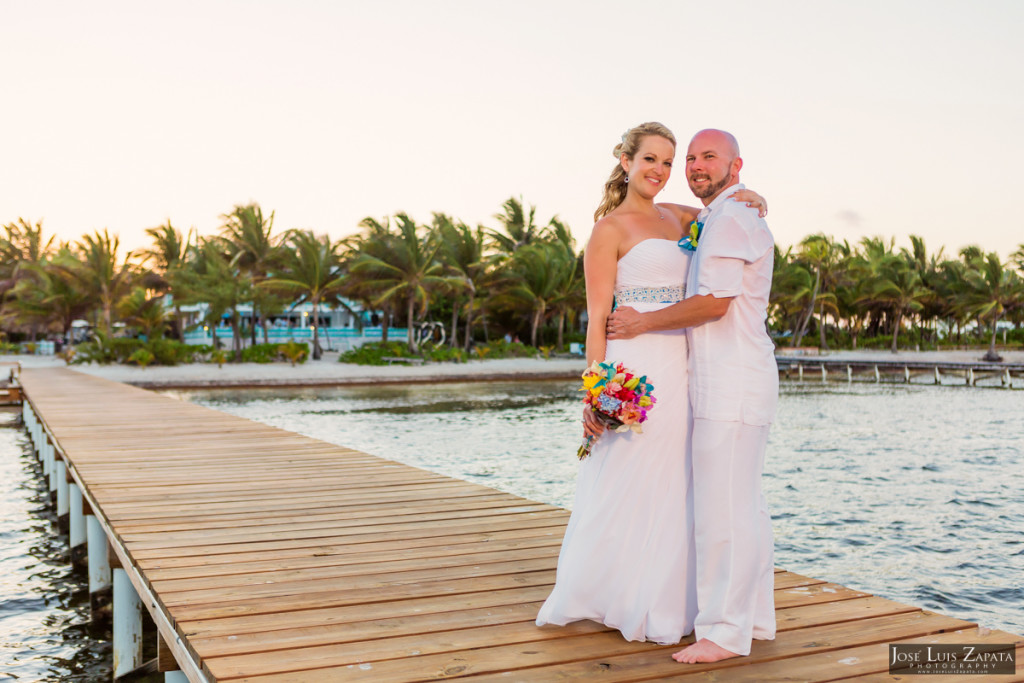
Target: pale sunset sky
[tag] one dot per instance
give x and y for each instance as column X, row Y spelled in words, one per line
column 874, row 117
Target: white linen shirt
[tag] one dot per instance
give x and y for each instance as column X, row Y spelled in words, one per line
column 733, row 375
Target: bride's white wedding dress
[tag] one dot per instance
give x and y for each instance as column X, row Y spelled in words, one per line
column 627, row 559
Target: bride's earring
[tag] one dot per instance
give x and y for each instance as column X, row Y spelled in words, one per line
column 626, row 181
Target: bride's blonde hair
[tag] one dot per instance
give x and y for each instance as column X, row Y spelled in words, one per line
column 615, row 187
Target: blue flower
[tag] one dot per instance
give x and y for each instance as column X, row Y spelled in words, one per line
column 689, row 242
column 608, row 404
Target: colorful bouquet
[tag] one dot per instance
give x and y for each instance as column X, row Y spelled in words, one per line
column 618, row 398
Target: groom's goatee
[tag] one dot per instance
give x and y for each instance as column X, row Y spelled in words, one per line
column 709, row 190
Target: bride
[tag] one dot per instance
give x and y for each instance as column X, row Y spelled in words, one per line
column 627, row 559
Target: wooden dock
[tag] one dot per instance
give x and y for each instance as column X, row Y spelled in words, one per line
column 265, row 556
column 826, row 369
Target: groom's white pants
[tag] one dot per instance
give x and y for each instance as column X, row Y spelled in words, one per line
column 733, row 530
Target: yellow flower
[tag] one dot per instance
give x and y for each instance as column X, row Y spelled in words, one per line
column 645, row 402
column 694, row 233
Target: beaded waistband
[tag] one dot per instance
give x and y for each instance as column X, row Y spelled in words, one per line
column 650, row 295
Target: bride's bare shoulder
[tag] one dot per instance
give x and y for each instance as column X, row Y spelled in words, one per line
column 607, row 233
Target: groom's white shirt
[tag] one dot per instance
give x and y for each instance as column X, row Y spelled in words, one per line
column 733, row 375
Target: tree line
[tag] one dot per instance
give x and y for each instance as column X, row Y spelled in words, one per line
column 873, row 289
column 524, row 275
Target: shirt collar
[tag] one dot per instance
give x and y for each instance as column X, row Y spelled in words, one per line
column 719, row 200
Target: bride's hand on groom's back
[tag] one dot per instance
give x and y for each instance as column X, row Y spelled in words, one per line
column 623, row 323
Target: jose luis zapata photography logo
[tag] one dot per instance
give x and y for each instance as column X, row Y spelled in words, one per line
column 920, row 658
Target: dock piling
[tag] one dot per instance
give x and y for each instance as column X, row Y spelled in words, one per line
column 63, row 497
column 51, row 464
column 127, row 625
column 99, row 565
column 76, row 532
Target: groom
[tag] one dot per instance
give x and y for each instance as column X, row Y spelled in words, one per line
column 733, row 394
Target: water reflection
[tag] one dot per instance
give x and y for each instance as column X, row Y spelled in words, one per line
column 44, row 606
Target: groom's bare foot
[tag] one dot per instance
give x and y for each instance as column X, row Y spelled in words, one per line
column 703, row 651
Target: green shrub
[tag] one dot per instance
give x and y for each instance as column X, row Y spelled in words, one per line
column 170, row 351
column 104, row 349
column 9, row 347
column 122, row 348
column 296, row 352
column 218, row 356
column 374, row 353
column 141, row 357
column 503, row 349
column 262, row 353
column 441, row 354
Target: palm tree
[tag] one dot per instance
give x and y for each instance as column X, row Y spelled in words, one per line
column 896, row 285
column 256, row 253
column 1018, row 258
column 46, row 296
column 519, row 226
column 23, row 243
column 212, row 278
column 792, row 285
column 143, row 312
column 464, row 254
column 571, row 295
column 533, row 281
column 821, row 257
column 407, row 271
column 312, row 271
column 22, row 247
column 102, row 273
column 168, row 253
column 995, row 289
column 375, row 240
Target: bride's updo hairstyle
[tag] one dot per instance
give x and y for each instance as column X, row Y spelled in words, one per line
column 615, row 187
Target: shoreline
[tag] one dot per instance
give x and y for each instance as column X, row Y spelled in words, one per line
column 328, row 372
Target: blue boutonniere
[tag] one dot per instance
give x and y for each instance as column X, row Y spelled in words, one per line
column 689, row 242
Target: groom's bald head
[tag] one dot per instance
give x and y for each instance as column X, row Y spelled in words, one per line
column 721, row 139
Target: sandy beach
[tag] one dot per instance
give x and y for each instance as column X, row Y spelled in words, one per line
column 328, row 371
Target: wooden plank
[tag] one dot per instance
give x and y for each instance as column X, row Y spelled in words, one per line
column 283, row 578
column 415, row 636
column 340, row 513
column 204, row 555
column 367, row 596
column 326, row 537
column 595, row 649
column 394, row 558
column 379, row 584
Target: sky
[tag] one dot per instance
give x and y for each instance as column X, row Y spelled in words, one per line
column 887, row 117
